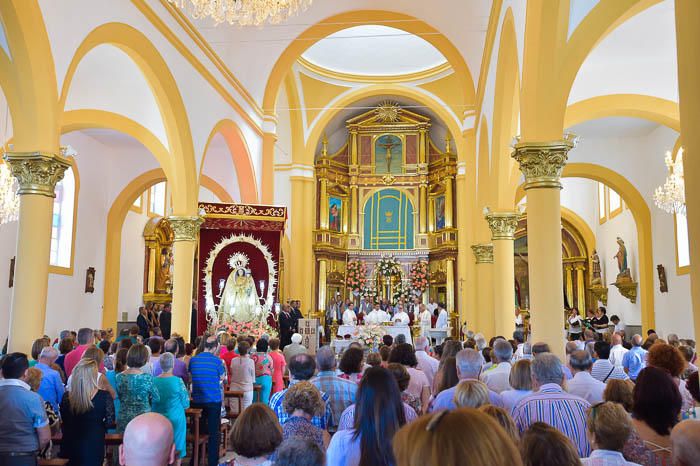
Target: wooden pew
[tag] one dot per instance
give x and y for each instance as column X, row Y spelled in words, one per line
column 198, row 441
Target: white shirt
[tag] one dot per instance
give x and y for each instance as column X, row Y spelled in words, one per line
column 442, row 319
column 606, row 458
column 425, row 318
column 497, row 378
column 372, row 317
column 519, row 352
column 617, row 352
column 585, row 386
column 428, row 365
column 401, row 318
column 349, row 317
column 383, row 317
column 431, row 307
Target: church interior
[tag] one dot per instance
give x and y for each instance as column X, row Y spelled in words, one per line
column 508, row 162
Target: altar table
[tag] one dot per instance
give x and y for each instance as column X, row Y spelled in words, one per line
column 393, row 330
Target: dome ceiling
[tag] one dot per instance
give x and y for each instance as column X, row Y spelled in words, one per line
column 373, row 50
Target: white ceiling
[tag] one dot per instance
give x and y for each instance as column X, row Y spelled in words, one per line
column 251, row 52
column 611, row 127
column 374, row 51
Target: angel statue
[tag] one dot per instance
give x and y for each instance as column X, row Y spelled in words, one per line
column 240, row 301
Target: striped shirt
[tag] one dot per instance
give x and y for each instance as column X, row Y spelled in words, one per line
column 341, row 394
column 277, row 405
column 561, row 410
column 603, row 370
column 207, row 373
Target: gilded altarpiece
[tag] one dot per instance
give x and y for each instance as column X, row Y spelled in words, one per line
column 158, row 261
column 388, row 192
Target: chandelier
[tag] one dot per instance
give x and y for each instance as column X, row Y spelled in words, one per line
column 244, row 12
column 671, row 196
column 9, row 200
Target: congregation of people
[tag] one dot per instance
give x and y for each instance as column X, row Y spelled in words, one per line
column 612, row 400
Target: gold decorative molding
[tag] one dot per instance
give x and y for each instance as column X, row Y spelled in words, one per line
column 483, row 253
column 502, row 224
column 600, row 293
column 543, row 162
column 627, row 288
column 37, row 172
column 185, row 228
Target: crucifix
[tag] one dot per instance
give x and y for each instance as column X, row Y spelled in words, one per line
column 388, row 146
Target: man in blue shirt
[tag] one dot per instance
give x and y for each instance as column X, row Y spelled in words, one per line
column 207, row 374
column 24, row 427
column 51, row 388
column 635, row 359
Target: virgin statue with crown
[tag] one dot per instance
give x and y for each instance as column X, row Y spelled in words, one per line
column 239, row 301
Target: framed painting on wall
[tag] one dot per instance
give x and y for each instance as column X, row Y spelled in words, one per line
column 335, row 210
column 440, row 212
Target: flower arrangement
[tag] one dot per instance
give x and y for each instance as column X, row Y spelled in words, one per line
column 370, row 294
column 419, row 276
column 402, row 290
column 356, row 275
column 254, row 328
column 388, row 266
column 369, row 335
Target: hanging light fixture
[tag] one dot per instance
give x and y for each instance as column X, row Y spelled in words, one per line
column 243, row 12
column 671, row 196
column 9, row 199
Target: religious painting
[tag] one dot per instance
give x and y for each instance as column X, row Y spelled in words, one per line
column 335, row 210
column 440, row 212
column 388, row 220
column 388, row 154
column 663, row 282
column 90, row 280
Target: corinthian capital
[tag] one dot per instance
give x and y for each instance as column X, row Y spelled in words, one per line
column 185, row 228
column 502, row 224
column 543, row 162
column 37, row 172
column 483, row 253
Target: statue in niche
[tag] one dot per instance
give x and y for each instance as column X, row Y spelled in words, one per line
column 240, row 301
column 165, row 273
column 621, row 258
column 596, row 270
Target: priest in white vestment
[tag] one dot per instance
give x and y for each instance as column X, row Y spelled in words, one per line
column 425, row 321
column 373, row 317
column 349, row 317
column 401, row 317
column 442, row 318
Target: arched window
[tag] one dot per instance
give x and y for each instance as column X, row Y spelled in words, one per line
column 157, row 199
column 681, row 231
column 63, row 221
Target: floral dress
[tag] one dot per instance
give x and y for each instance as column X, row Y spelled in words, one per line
column 136, row 393
column 300, row 427
column 263, row 375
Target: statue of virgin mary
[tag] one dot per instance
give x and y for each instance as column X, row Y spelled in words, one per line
column 239, row 301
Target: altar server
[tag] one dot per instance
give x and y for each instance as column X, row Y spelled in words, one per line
column 401, row 317
column 442, row 317
column 425, row 321
column 349, row 317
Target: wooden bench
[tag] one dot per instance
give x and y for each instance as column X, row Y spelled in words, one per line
column 198, row 441
column 53, row 462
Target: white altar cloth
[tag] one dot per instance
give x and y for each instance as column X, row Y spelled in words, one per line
column 392, row 330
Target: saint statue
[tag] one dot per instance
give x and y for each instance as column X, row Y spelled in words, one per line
column 239, row 302
column 164, row 277
column 595, row 263
column 621, row 257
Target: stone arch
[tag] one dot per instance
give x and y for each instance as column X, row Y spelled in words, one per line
column 240, row 157
column 180, row 166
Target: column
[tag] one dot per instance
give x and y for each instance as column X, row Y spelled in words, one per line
column 484, row 317
column 355, row 210
column 301, row 262
column 449, row 202
column 687, row 40
column 580, row 290
column 322, row 271
column 422, row 207
column 323, row 204
column 37, row 174
column 503, row 226
column 542, row 164
column 569, row 282
column 185, row 229
column 450, row 282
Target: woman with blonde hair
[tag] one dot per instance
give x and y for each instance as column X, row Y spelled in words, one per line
column 520, row 381
column 302, row 402
column 620, row 391
column 86, row 411
column 609, row 427
column 471, row 394
column 463, row 436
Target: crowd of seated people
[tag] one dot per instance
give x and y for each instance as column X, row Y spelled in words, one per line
column 610, row 400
